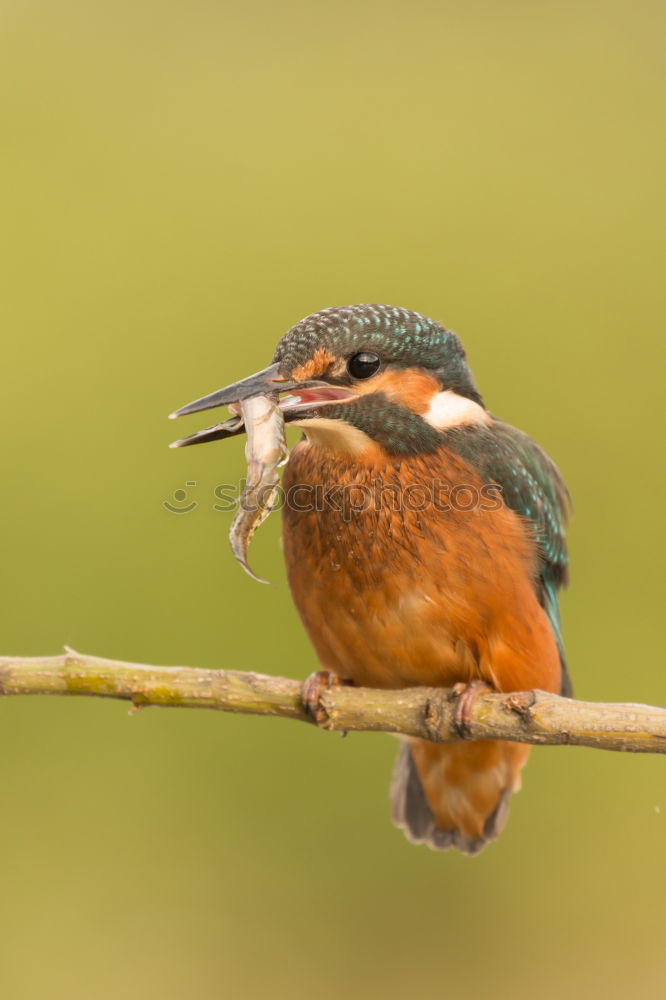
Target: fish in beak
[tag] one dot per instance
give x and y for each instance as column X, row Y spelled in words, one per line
column 301, row 399
column 258, row 410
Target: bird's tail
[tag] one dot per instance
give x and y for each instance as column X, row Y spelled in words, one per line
column 457, row 794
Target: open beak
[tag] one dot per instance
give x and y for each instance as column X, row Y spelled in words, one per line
column 303, row 399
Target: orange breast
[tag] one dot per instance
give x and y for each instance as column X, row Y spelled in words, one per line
column 395, row 589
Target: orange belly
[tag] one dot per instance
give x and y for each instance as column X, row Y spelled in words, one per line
column 394, row 592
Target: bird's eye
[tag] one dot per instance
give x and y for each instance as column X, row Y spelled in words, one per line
column 363, row 365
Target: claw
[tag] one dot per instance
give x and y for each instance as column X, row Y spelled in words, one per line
column 312, row 690
column 466, row 694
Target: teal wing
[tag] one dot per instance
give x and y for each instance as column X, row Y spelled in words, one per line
column 531, row 486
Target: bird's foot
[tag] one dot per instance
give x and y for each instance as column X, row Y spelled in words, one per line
column 465, row 694
column 311, row 692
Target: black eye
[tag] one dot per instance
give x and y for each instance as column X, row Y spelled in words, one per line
column 363, row 365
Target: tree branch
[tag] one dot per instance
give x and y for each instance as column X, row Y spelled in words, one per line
column 427, row 713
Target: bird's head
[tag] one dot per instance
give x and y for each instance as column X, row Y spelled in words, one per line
column 358, row 376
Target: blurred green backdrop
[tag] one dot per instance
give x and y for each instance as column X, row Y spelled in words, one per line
column 181, row 183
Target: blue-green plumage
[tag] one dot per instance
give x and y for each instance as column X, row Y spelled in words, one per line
column 531, row 486
column 401, row 338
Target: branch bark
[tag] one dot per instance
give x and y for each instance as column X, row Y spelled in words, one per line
column 428, row 713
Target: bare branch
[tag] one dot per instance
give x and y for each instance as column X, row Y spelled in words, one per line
column 428, row 713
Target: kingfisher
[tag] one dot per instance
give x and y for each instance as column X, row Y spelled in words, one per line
column 431, row 551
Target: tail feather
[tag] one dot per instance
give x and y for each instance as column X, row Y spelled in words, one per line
column 455, row 795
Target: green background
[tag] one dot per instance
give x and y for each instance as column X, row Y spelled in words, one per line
column 181, row 183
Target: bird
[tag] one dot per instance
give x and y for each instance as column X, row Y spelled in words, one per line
column 424, row 542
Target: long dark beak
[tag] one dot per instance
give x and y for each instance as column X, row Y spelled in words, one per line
column 265, row 381
column 226, row 429
column 268, row 380
column 310, row 393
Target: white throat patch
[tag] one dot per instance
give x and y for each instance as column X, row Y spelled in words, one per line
column 335, row 435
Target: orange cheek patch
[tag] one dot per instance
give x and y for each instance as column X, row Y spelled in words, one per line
column 317, row 365
column 411, row 388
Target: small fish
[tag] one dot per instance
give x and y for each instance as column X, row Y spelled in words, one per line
column 265, row 451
